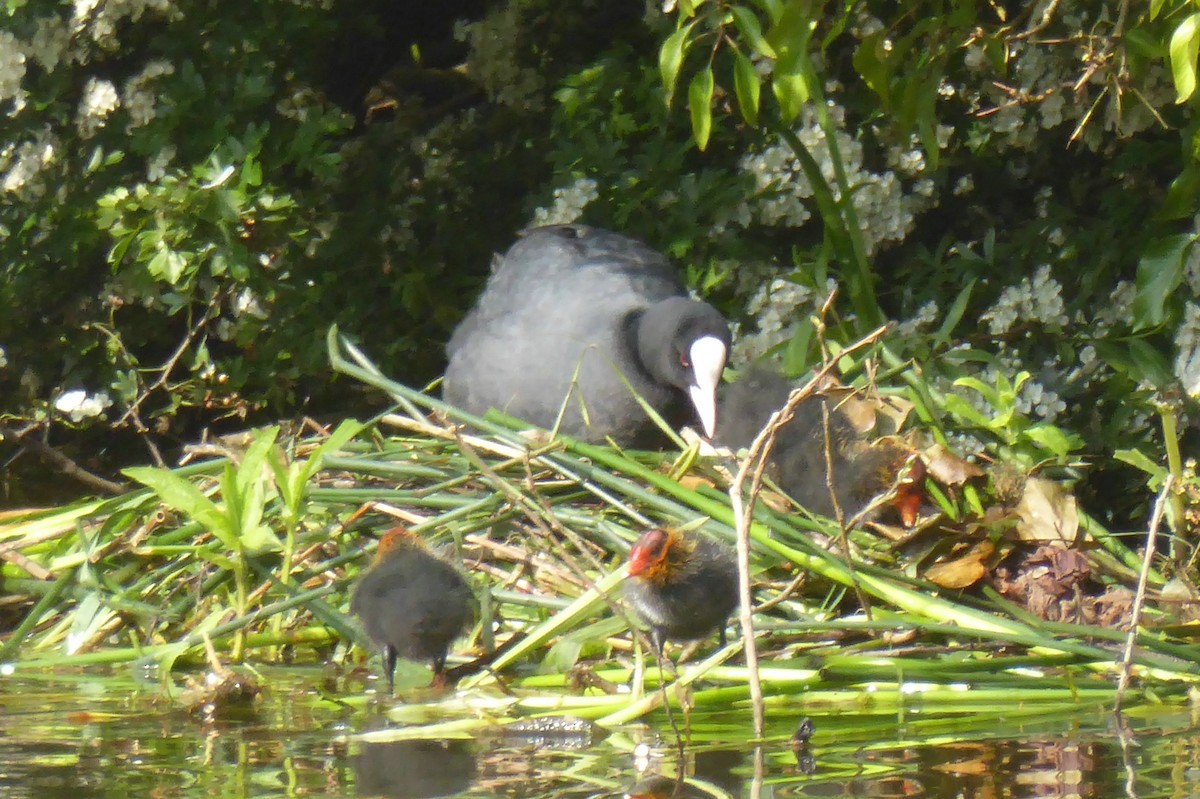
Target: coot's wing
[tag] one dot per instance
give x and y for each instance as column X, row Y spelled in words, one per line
column 560, row 292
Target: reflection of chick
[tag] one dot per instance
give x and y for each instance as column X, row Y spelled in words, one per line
column 412, row 603
column 682, row 587
column 859, row 473
column 414, row 769
column 660, row 787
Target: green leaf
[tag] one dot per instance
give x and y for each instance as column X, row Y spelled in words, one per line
column 251, row 479
column 670, row 59
column 250, row 470
column 1142, row 43
column 964, row 410
column 791, row 92
column 1052, row 439
column 90, row 614
column 751, row 30
column 184, row 497
column 983, row 389
column 747, row 87
column 1139, row 460
column 954, row 315
column 1138, row 360
column 1180, row 202
column 700, row 93
column 345, row 431
column 167, row 265
column 1159, row 273
column 1185, row 45
column 259, row 539
column 773, row 8
column 870, row 62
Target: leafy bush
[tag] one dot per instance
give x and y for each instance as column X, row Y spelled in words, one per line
column 185, row 210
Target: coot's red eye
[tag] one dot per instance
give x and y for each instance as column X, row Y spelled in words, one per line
column 683, row 359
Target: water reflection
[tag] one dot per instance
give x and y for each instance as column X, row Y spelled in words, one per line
column 79, row 735
column 414, row 769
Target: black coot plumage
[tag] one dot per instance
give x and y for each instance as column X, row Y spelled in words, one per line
column 859, row 472
column 571, row 304
column 412, row 603
column 683, row 587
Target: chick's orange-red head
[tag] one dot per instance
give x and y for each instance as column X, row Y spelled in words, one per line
column 650, row 555
column 395, row 539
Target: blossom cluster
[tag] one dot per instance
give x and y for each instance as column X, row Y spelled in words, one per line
column 140, row 99
column 1044, row 91
column 779, row 307
column 493, row 58
column 1037, row 299
column 569, row 202
column 79, row 405
column 1187, row 344
column 784, row 192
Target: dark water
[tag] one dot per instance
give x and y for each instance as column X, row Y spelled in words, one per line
column 75, row 735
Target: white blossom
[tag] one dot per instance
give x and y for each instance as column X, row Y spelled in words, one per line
column 784, row 191
column 778, row 308
column 1187, row 342
column 49, row 41
column 12, row 65
column 21, row 164
column 569, row 202
column 926, row 315
column 99, row 100
column 1037, row 300
column 156, row 167
column 79, row 405
column 246, row 303
column 139, row 100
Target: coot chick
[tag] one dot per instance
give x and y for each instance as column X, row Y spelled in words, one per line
column 860, row 471
column 682, row 587
column 578, row 310
column 412, row 603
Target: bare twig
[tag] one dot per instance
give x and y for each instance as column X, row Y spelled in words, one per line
column 50, row 455
column 743, row 511
column 1139, row 598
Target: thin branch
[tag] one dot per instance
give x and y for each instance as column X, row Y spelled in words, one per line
column 1139, row 598
column 743, row 511
column 67, row 466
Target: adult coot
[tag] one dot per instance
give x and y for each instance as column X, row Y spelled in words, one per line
column 577, row 319
column 684, row 588
column 412, row 603
column 860, row 471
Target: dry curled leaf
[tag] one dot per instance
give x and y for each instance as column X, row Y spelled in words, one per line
column 965, row 570
column 947, row 468
column 1046, row 512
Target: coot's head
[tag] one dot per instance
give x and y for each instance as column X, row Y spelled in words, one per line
column 684, row 343
column 657, row 556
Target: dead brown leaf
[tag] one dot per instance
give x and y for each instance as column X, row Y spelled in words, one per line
column 692, row 481
column 1047, row 512
column 965, row 570
column 947, row 468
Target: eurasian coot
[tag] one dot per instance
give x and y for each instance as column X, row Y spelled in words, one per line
column 683, row 587
column 576, row 319
column 860, row 471
column 412, row 603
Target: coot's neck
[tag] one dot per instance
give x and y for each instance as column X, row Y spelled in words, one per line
column 633, row 338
